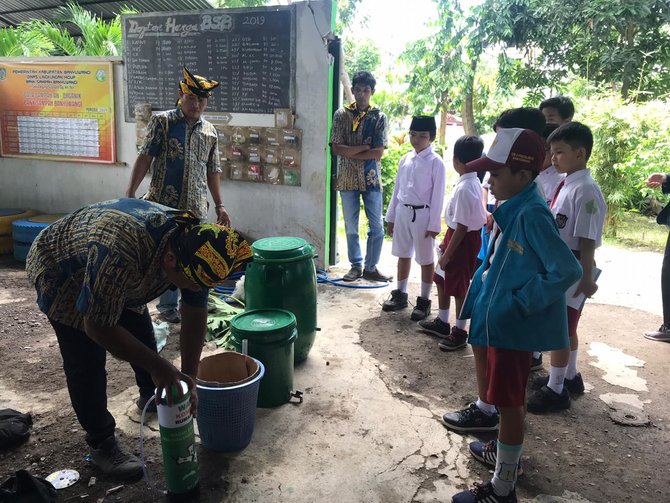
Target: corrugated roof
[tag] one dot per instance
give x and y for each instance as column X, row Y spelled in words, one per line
column 15, row 12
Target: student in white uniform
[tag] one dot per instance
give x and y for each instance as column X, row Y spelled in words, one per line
column 413, row 215
column 579, row 208
column 465, row 216
column 549, row 179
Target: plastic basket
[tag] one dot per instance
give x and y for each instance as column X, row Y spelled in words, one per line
column 226, row 415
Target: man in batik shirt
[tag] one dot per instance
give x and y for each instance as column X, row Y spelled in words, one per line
column 358, row 138
column 181, row 148
column 94, row 271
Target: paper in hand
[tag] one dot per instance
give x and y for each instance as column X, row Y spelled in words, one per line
column 578, row 302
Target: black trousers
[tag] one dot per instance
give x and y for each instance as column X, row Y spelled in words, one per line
column 665, row 283
column 84, row 366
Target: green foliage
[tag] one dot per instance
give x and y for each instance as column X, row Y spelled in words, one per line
column 218, row 322
column 20, row 42
column 361, row 55
column 390, row 160
column 346, row 9
column 630, row 142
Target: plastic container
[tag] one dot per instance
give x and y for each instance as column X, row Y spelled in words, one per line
column 271, row 334
column 282, row 276
column 227, row 409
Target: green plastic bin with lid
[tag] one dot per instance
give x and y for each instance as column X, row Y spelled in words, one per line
column 270, row 335
column 282, row 276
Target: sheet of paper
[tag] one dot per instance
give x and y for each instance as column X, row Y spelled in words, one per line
column 578, row 302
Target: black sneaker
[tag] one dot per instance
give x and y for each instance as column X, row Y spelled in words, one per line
column 114, row 461
column 547, row 400
column 660, row 335
column 575, row 385
column 536, row 364
column 483, row 493
column 397, row 301
column 354, row 273
column 142, row 401
column 171, row 316
column 471, row 419
column 457, row 339
column 422, row 309
column 375, row 275
column 436, row 327
column 487, row 453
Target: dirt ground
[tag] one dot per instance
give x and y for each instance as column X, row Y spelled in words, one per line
column 581, row 451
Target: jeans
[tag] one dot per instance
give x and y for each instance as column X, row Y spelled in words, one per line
column 351, row 206
column 665, row 283
column 168, row 300
column 84, row 366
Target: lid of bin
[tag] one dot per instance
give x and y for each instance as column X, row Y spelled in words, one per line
column 45, row 219
column 281, row 248
column 259, row 322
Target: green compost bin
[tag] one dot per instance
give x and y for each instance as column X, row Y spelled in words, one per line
column 282, row 276
column 270, row 335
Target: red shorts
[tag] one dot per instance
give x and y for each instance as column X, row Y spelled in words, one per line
column 507, row 373
column 460, row 269
column 573, row 321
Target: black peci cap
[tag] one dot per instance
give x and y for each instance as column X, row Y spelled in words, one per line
column 423, row 123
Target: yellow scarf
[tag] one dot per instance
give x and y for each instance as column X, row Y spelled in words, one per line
column 358, row 118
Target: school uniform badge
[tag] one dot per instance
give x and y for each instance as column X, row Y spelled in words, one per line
column 561, row 220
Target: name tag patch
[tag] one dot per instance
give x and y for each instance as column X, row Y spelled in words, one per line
column 515, row 246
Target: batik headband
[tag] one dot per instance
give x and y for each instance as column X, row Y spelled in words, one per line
column 197, row 85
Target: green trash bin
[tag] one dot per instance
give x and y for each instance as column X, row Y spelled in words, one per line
column 282, row 276
column 270, row 334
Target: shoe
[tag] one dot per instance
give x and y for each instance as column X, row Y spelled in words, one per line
column 436, row 327
column 547, row 400
column 472, row 419
column 422, row 309
column 661, row 335
column 354, row 273
column 397, row 301
column 171, row 316
column 457, row 339
column 487, row 453
column 375, row 275
column 483, row 493
column 575, row 385
column 114, row 461
column 142, row 401
column 536, row 364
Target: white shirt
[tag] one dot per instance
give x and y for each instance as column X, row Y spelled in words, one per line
column 580, row 209
column 549, row 180
column 490, row 198
column 420, row 180
column 465, row 205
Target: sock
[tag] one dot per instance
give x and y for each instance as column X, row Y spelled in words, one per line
column 536, row 354
column 572, row 365
column 425, row 290
column 486, row 408
column 461, row 323
column 443, row 314
column 556, row 376
column 402, row 285
column 504, row 476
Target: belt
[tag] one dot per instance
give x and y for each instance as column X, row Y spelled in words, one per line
column 415, row 207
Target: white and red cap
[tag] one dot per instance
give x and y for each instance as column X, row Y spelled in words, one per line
column 512, row 147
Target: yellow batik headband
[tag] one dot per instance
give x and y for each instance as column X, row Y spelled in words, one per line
column 197, row 85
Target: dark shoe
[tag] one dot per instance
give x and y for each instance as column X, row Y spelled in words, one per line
column 375, row 275
column 457, row 339
column 114, row 461
column 575, row 385
column 536, row 364
column 547, row 400
column 142, row 401
column 354, row 273
column 436, row 327
column 422, row 309
column 470, row 419
column 487, row 453
column 660, row 335
column 483, row 493
column 397, row 301
column 171, row 316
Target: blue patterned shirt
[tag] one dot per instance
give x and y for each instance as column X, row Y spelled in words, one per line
column 183, row 156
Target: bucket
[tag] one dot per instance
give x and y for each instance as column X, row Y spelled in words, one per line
column 282, row 276
column 227, row 402
column 271, row 334
column 180, row 459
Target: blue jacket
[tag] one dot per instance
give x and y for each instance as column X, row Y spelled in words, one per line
column 521, row 303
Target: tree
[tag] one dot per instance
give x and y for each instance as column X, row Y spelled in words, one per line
column 361, row 54
column 19, row 42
